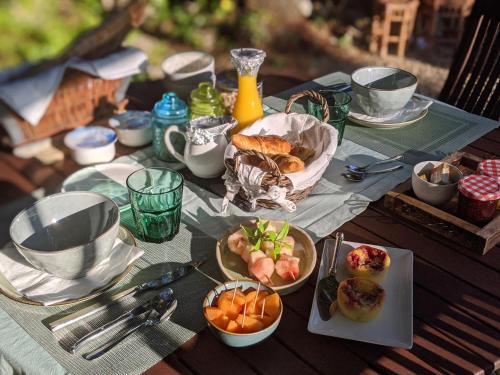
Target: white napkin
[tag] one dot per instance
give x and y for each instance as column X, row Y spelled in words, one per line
column 411, row 110
column 48, row 289
column 31, row 96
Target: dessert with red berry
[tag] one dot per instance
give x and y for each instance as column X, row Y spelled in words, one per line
column 368, row 262
column 360, row 299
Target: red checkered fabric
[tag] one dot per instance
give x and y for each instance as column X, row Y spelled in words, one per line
column 481, row 188
column 490, row 167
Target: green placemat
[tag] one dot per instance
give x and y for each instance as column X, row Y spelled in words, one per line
column 445, row 129
column 144, row 348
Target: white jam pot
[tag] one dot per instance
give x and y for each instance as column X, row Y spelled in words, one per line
column 206, row 141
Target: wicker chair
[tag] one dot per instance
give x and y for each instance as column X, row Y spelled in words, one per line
column 473, row 82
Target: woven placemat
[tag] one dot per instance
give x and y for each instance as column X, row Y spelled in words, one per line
column 148, row 346
column 444, row 130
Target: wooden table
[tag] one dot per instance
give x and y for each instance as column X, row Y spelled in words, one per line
column 456, row 295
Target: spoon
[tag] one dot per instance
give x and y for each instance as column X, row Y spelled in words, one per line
column 360, row 176
column 355, row 168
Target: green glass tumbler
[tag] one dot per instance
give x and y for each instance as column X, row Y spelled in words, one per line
column 156, row 200
column 339, row 103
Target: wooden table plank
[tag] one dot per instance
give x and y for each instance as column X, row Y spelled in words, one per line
column 205, row 355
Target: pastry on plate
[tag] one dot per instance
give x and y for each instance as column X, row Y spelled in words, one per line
column 360, row 299
column 368, row 262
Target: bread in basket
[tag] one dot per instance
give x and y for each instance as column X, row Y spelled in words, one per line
column 271, row 188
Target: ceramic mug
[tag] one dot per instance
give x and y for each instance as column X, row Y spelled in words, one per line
column 206, row 141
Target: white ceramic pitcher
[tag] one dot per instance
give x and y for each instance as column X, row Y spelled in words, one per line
column 206, row 141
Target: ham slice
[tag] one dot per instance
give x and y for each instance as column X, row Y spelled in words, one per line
column 287, row 267
column 260, row 266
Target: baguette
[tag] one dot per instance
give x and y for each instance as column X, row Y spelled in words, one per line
column 269, row 145
column 286, row 163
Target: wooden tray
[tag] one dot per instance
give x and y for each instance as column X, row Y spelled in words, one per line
column 443, row 221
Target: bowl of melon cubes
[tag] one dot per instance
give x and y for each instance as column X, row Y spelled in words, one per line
column 242, row 313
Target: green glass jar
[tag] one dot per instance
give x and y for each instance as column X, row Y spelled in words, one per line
column 206, row 101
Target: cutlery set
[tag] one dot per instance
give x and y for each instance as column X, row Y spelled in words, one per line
column 359, row 173
column 153, row 312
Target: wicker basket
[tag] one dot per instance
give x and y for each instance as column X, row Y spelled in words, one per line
column 79, row 99
column 274, row 177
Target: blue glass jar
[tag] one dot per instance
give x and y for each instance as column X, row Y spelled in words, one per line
column 170, row 110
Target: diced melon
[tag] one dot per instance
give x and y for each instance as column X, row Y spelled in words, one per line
column 233, row 327
column 249, row 324
column 239, row 296
column 272, row 306
column 231, row 310
column 267, row 320
column 254, row 302
column 221, row 321
column 213, row 313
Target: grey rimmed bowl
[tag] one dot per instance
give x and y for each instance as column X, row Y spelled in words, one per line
column 67, row 234
column 238, row 340
column 382, row 91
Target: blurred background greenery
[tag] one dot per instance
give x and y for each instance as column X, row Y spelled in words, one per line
column 302, row 38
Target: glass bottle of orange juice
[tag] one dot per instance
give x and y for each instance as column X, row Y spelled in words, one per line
column 248, row 106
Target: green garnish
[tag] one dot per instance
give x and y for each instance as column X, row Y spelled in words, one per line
column 258, row 235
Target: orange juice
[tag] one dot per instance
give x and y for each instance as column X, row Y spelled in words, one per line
column 248, row 106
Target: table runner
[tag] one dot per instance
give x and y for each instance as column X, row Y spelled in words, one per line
column 445, row 129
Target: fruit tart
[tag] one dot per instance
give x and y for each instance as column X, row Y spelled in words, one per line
column 360, row 299
column 368, row 262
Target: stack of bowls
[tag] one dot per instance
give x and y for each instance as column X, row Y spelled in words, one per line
column 382, row 91
column 67, row 234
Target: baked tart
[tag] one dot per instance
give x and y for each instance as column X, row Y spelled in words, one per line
column 368, row 262
column 360, row 299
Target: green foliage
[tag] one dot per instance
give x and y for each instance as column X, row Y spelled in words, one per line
column 36, row 29
column 260, row 234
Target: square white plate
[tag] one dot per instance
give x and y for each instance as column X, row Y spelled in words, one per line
column 394, row 324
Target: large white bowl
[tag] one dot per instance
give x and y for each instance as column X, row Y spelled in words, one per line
column 382, row 91
column 67, row 234
column 428, row 192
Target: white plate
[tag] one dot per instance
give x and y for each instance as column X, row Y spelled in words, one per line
column 405, row 117
column 108, row 179
column 394, row 324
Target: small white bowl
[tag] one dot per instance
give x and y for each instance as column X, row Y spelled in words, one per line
column 238, row 340
column 91, row 144
column 133, row 128
column 428, row 192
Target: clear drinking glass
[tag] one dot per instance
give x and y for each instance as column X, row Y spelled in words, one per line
column 339, row 103
column 156, row 200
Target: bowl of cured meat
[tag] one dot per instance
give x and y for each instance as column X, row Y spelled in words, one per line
column 276, row 253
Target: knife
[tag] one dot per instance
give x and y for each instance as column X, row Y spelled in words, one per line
column 164, row 280
column 326, row 292
column 166, row 295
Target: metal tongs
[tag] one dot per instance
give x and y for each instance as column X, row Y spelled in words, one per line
column 159, row 308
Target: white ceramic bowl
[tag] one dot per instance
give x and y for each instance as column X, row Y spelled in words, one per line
column 183, row 71
column 133, row 128
column 428, row 192
column 382, row 91
column 240, row 339
column 67, row 234
column 91, row 144
column 234, row 267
